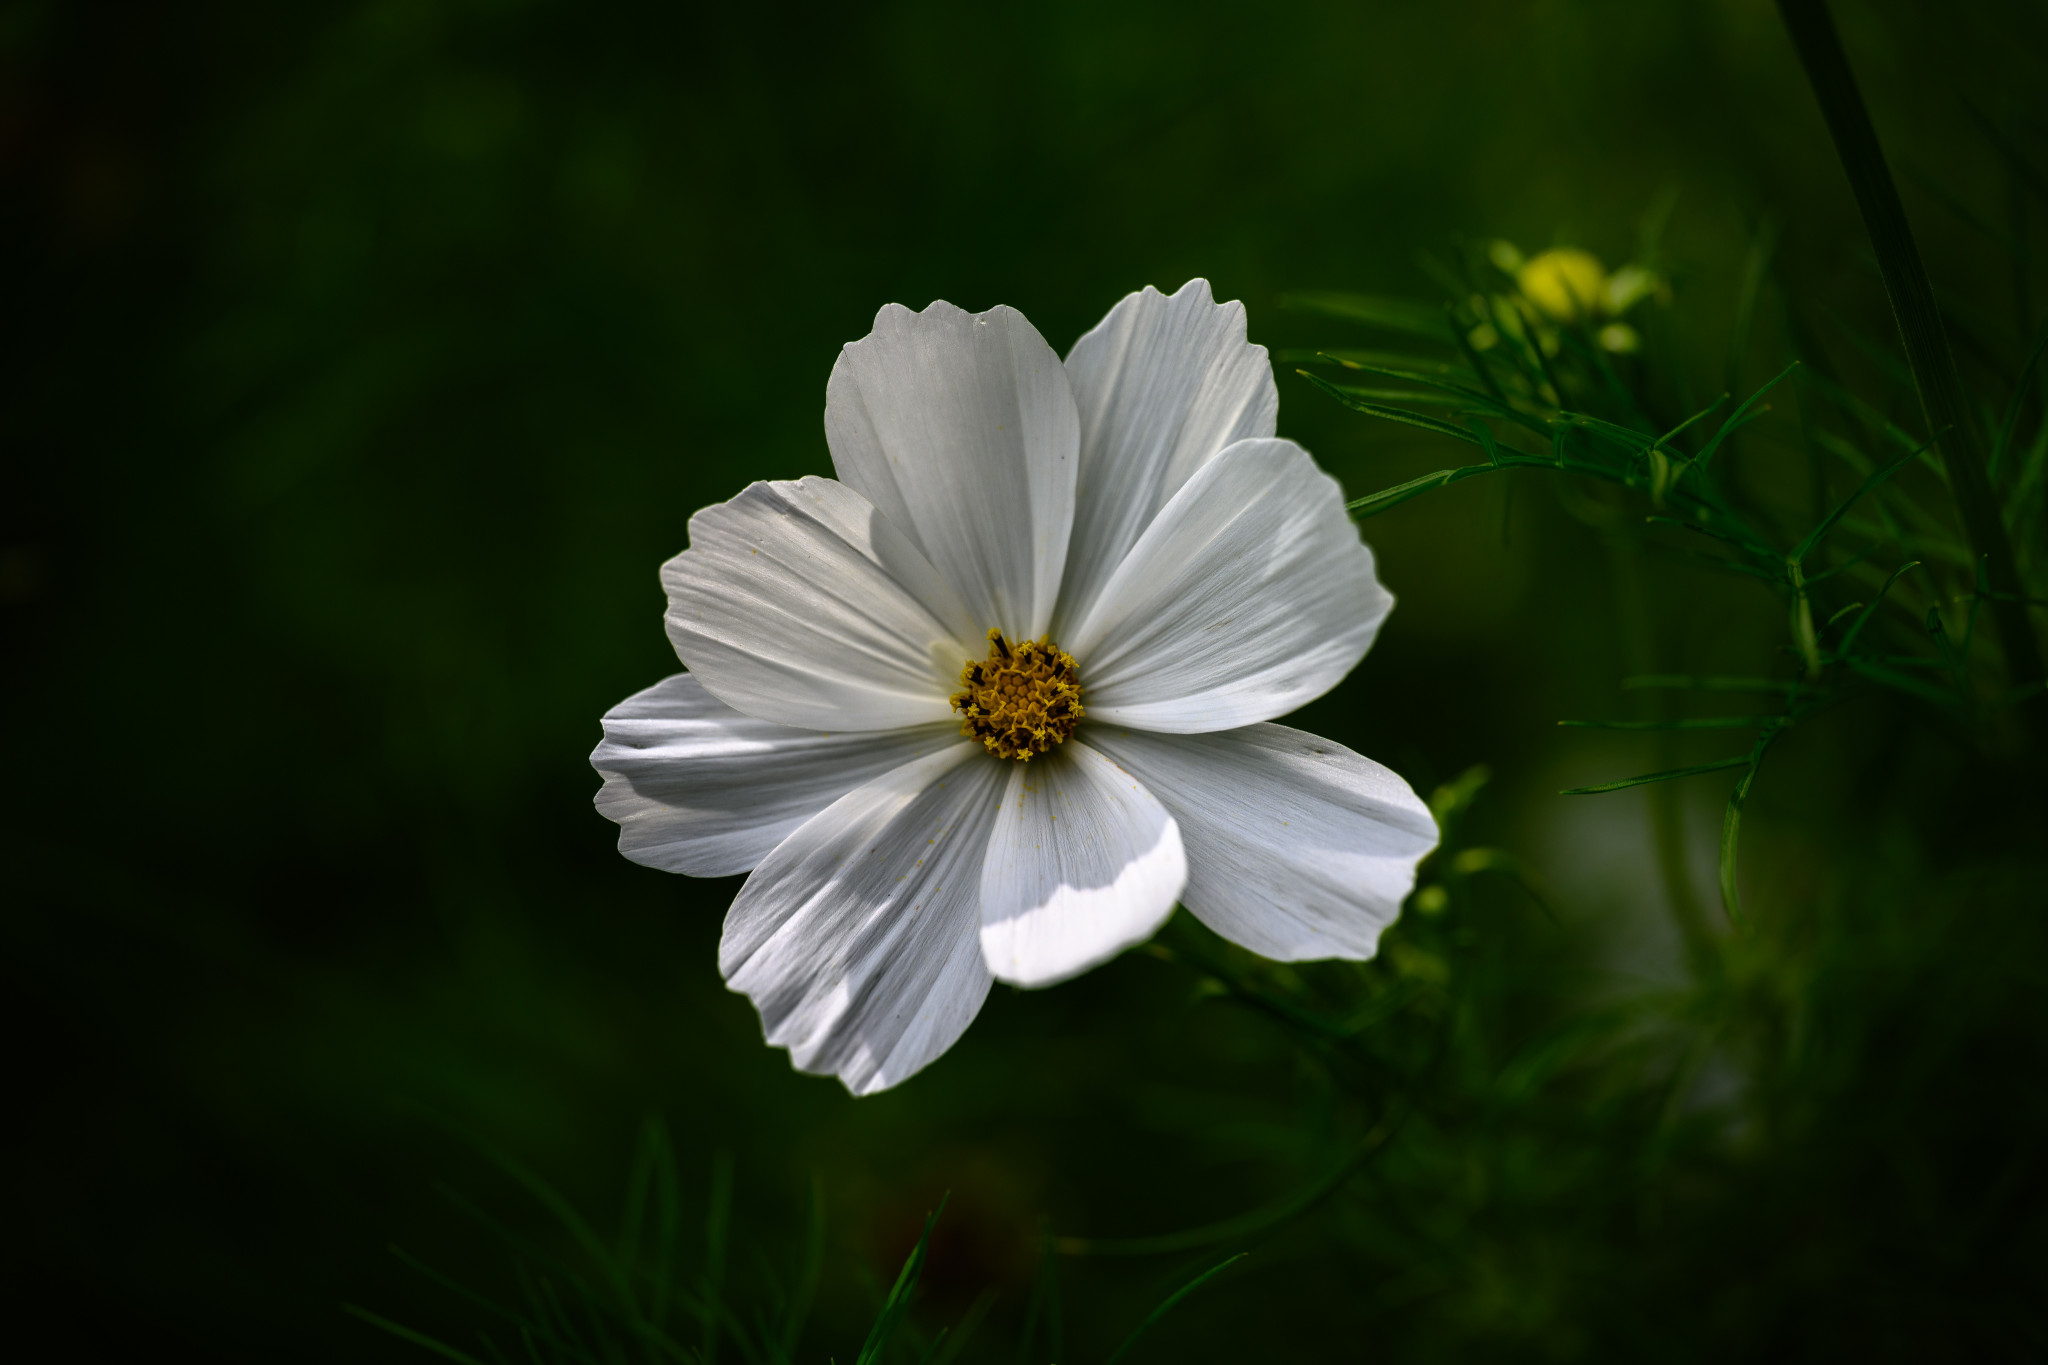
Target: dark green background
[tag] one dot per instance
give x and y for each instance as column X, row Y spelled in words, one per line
column 364, row 361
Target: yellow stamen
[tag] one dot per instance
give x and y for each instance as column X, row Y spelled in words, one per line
column 1022, row 699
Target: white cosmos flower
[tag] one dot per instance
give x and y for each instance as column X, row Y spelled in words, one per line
column 1119, row 574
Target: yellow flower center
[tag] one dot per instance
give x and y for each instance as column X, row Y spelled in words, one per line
column 1022, row 699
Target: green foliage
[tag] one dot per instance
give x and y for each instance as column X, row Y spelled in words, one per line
column 1549, row 383
column 586, row 1300
column 582, row 1298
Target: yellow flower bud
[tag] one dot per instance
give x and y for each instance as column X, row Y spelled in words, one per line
column 1620, row 338
column 1566, row 283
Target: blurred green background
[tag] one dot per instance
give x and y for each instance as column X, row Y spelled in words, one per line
column 365, row 361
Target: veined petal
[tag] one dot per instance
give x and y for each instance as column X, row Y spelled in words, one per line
column 1083, row 863
column 961, row 428
column 856, row 938
column 798, row 602
column 1297, row 847
column 1249, row 595
column 698, row 788
column 1162, row 385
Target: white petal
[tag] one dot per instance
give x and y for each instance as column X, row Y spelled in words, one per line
column 1162, row 385
column 961, row 428
column 1249, row 595
column 798, row 602
column 856, row 938
column 696, row 787
column 1083, row 864
column 1297, row 847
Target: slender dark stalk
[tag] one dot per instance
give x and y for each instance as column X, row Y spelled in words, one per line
column 1933, row 364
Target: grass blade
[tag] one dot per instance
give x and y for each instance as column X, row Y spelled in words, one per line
column 1857, row 628
column 1860, row 557
column 1381, row 410
column 1493, row 406
column 1904, row 682
column 1490, row 446
column 1438, row 400
column 1622, row 438
column 1827, row 524
column 1665, row 776
column 1190, row 1287
column 1708, row 411
column 898, row 1303
column 404, row 1333
column 1357, row 358
column 1741, row 417
column 1388, row 498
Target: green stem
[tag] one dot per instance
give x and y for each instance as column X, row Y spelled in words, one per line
column 1933, row 364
